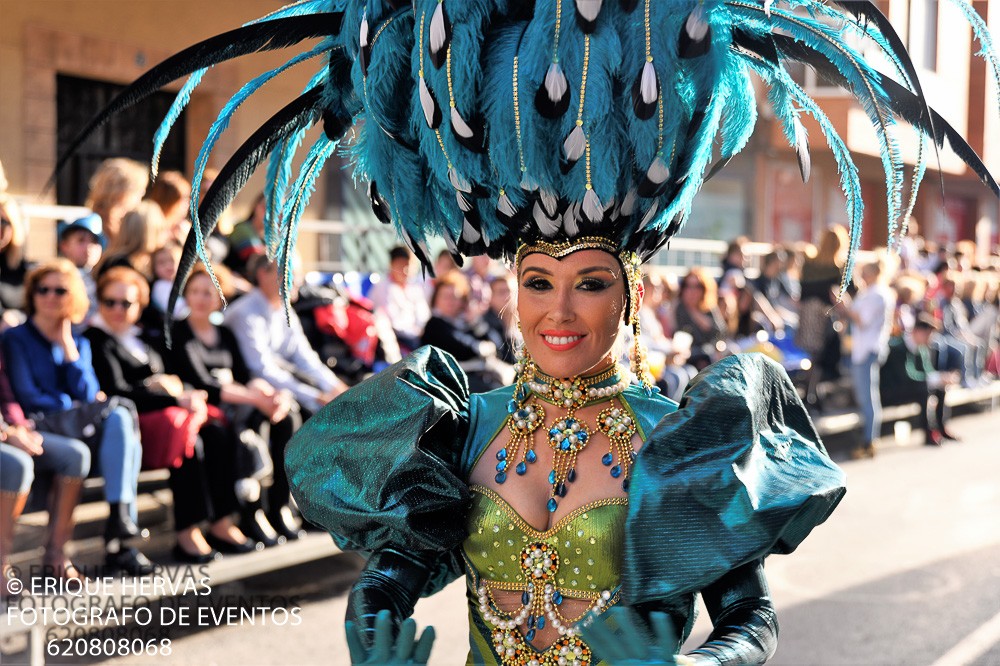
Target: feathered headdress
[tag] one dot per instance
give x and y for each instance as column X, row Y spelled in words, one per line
column 491, row 123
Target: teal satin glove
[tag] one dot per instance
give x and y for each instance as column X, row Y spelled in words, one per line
column 406, row 649
column 618, row 636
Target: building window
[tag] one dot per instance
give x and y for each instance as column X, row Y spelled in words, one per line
column 128, row 134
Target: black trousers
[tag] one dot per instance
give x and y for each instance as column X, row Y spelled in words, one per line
column 278, row 435
column 204, row 486
column 919, row 393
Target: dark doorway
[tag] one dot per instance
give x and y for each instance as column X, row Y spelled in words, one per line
column 129, row 134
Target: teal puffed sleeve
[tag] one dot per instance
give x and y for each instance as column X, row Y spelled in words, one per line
column 736, row 473
column 377, row 467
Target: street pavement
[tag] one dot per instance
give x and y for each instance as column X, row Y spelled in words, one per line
column 906, row 571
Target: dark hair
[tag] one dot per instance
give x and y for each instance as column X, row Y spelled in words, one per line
column 399, row 252
column 777, row 256
column 255, row 263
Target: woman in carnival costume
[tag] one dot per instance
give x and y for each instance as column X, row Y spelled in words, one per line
column 570, row 137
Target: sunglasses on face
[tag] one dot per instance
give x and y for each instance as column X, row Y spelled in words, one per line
column 115, row 303
column 45, row 291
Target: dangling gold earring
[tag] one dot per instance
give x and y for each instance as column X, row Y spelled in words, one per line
column 640, row 364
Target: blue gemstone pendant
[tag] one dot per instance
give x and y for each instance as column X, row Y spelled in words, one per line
column 625, row 485
column 616, row 471
column 500, row 477
column 531, row 456
column 502, row 454
column 552, row 508
column 561, row 490
column 541, row 622
column 521, row 468
column 557, row 598
column 607, row 459
column 530, row 636
column 552, row 477
column 524, row 598
column 571, row 475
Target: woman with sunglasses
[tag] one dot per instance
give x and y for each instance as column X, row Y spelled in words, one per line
column 179, row 428
column 50, row 371
column 207, row 355
column 697, row 313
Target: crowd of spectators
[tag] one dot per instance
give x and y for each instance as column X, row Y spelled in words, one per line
column 88, row 386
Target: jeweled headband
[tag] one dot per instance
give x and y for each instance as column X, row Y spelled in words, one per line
column 632, row 272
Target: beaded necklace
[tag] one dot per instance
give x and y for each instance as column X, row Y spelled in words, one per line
column 569, row 435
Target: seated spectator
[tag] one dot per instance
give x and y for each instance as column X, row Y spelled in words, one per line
column 500, row 317
column 442, row 264
column 956, row 340
column 478, row 275
column 447, row 329
column 276, row 350
column 13, row 265
column 401, row 300
column 165, row 260
column 50, row 369
column 22, row 451
column 178, row 429
column 142, row 231
column 171, row 191
column 218, row 242
column 697, row 313
column 80, row 242
column 208, row 357
column 908, row 375
column 734, row 262
column 754, row 315
column 775, row 285
column 115, row 189
column 909, row 294
column 247, row 240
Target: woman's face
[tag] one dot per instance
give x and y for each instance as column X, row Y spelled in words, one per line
column 201, row 297
column 165, row 265
column 52, row 297
column 692, row 291
column 119, row 304
column 449, row 303
column 570, row 310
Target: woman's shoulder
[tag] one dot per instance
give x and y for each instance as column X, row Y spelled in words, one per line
column 96, row 336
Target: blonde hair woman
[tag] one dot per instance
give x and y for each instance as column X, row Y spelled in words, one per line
column 116, row 188
column 143, row 230
column 50, row 369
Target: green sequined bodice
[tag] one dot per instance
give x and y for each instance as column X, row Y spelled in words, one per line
column 588, row 542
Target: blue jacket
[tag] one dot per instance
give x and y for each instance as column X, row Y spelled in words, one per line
column 42, row 379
